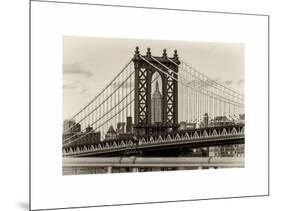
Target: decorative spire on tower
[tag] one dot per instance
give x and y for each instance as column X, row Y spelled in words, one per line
column 137, row 52
column 156, row 105
column 164, row 55
column 176, row 55
column 157, row 86
column 148, row 53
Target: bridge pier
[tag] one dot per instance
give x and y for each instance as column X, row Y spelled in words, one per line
column 109, row 169
column 135, row 169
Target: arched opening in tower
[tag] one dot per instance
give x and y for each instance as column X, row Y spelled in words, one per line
column 156, row 98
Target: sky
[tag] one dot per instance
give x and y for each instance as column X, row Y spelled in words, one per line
column 89, row 63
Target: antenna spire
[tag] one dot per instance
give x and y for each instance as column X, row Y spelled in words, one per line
column 157, row 86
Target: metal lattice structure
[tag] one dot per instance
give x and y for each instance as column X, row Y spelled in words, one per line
column 188, row 97
column 195, row 138
column 143, row 82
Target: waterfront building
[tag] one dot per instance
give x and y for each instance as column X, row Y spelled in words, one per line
column 111, row 133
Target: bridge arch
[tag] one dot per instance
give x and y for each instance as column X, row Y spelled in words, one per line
column 145, row 67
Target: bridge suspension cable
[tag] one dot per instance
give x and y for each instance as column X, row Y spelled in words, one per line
column 105, row 100
column 213, row 84
column 209, row 79
column 220, row 89
column 95, row 99
column 108, row 85
column 103, row 123
column 224, row 99
column 197, row 98
column 199, row 95
column 112, row 108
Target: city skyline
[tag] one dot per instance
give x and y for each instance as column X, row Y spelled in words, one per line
column 157, row 106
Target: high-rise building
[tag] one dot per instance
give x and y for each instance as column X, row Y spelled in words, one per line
column 111, row 133
column 129, row 126
column 71, row 126
column 206, row 119
column 242, row 116
column 71, row 130
column 156, row 105
column 120, row 127
column 235, row 150
column 183, row 125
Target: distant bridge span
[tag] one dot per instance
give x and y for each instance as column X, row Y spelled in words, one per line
column 91, row 165
column 186, row 96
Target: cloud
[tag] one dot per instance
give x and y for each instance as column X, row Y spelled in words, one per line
column 69, row 86
column 76, row 68
column 83, row 90
column 241, row 82
column 215, row 79
column 75, row 86
column 228, row 82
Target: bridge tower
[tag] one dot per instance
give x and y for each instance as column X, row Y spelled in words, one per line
column 145, row 67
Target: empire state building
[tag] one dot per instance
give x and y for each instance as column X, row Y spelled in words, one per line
column 156, row 105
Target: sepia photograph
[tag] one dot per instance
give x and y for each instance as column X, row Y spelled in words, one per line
column 134, row 105
column 146, row 105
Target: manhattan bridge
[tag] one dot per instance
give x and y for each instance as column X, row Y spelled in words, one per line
column 191, row 111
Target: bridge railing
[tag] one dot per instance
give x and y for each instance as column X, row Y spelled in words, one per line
column 183, row 137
